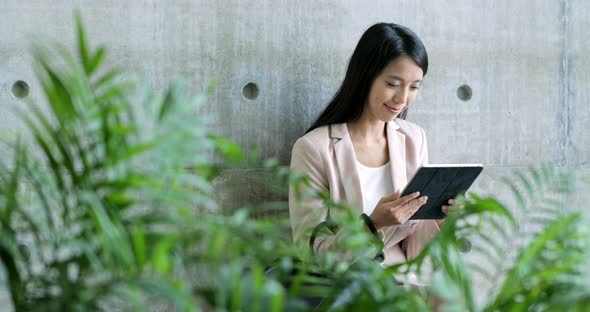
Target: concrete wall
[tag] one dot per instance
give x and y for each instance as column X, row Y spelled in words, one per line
column 524, row 60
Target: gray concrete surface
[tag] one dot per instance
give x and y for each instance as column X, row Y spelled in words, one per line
column 525, row 61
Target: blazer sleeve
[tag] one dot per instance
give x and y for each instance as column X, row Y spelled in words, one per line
column 424, row 230
column 306, row 212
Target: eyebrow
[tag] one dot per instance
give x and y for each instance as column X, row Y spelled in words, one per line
column 400, row 78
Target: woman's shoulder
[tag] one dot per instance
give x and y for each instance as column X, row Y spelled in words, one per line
column 308, row 149
column 318, row 136
column 409, row 128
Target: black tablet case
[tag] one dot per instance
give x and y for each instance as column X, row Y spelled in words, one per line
column 440, row 184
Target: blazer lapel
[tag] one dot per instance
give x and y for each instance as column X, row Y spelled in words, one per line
column 346, row 163
column 396, row 142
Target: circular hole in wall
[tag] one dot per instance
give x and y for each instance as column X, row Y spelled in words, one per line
column 464, row 245
column 20, row 89
column 464, row 93
column 250, row 91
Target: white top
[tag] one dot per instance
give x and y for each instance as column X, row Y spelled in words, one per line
column 376, row 182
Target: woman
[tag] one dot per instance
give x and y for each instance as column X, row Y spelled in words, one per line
column 361, row 151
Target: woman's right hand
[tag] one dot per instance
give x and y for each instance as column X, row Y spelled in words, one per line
column 395, row 210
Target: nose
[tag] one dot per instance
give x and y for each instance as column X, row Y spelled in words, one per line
column 401, row 96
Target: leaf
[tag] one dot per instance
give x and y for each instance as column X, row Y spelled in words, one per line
column 119, row 199
column 527, row 184
column 346, row 296
column 276, row 292
column 139, row 246
column 517, row 194
column 114, row 92
column 500, row 229
column 62, row 104
column 161, row 256
column 523, row 267
column 139, row 149
column 83, row 44
column 54, row 138
column 535, row 173
column 176, row 293
column 45, row 147
column 96, row 61
column 107, row 79
column 237, row 284
column 170, row 100
column 38, row 188
column 208, row 172
column 489, row 205
column 229, row 150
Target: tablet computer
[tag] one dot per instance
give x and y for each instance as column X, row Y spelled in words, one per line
column 440, row 183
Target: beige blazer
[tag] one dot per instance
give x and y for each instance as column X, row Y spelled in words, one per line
column 326, row 156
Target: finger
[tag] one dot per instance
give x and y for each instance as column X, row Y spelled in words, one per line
column 414, row 205
column 451, row 201
column 405, row 199
column 390, row 198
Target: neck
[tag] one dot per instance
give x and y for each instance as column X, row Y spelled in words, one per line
column 367, row 130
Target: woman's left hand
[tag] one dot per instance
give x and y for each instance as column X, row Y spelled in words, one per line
column 445, row 208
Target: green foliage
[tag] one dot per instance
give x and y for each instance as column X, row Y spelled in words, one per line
column 551, row 245
column 109, row 203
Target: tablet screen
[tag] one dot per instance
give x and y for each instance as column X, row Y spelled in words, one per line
column 440, row 183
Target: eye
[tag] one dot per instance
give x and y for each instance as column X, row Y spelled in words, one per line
column 415, row 88
column 392, row 85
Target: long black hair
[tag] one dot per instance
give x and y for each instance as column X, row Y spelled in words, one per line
column 379, row 45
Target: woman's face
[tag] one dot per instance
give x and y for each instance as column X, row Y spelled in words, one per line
column 393, row 90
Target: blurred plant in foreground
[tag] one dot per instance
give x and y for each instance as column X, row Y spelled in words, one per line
column 109, row 203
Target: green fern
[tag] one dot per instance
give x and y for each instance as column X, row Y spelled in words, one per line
column 110, row 202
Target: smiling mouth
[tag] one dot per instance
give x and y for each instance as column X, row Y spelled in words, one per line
column 394, row 110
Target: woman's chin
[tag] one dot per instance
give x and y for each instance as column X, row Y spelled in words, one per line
column 389, row 118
